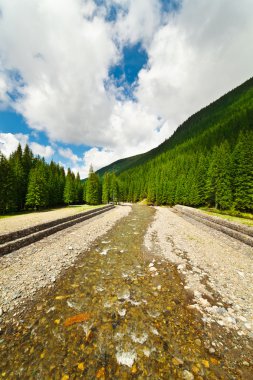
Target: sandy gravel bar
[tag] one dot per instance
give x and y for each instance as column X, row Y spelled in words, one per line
column 19, row 222
column 217, row 269
column 28, row 269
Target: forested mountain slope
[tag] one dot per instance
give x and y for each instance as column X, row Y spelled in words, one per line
column 207, row 161
column 222, row 116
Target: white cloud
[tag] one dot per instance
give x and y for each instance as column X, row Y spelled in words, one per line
column 139, row 22
column 200, row 54
column 64, row 48
column 63, row 58
column 67, row 153
column 9, row 142
column 41, row 150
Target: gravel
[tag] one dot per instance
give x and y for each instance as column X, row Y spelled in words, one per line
column 19, row 222
column 218, row 269
column 29, row 269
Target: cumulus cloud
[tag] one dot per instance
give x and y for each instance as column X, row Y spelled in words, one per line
column 42, row 150
column 139, row 21
column 63, row 59
column 67, row 153
column 9, row 142
column 57, row 54
column 201, row 53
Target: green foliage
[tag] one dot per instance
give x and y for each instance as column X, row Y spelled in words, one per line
column 208, row 161
column 243, row 172
column 93, row 188
column 37, row 194
column 28, row 182
column 69, row 189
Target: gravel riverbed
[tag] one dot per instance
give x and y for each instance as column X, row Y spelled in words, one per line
column 25, row 271
column 218, row 270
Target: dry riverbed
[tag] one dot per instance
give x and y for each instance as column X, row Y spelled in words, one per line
column 156, row 323
column 218, row 269
column 25, row 271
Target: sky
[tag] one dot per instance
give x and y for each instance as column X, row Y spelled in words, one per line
column 92, row 81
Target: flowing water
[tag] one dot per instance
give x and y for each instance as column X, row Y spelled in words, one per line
column 120, row 313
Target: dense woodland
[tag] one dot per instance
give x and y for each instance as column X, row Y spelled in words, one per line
column 207, row 162
column 28, row 182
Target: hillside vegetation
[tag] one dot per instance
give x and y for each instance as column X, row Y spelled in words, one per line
column 207, row 161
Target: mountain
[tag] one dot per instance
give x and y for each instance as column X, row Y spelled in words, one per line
column 207, row 161
column 216, row 118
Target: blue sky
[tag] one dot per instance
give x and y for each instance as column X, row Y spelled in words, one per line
column 94, row 81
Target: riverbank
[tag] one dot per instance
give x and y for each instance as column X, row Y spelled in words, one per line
column 218, row 269
column 25, row 271
column 17, row 222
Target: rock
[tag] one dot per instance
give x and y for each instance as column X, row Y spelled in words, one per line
column 243, row 319
column 70, row 248
column 211, row 350
column 177, row 361
column 77, row 319
column 187, row 375
column 198, row 342
column 221, row 310
column 205, row 363
column 80, row 366
column 245, row 363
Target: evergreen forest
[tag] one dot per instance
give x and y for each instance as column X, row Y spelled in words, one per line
column 30, row 183
column 208, row 161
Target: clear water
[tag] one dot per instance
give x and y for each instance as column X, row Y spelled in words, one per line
column 132, row 319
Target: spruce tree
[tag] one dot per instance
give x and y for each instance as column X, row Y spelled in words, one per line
column 37, row 195
column 69, row 189
column 93, row 192
column 106, row 188
column 243, row 172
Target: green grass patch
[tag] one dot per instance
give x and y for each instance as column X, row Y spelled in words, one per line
column 231, row 215
column 78, row 208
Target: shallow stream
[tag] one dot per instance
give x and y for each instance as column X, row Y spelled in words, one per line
column 120, row 313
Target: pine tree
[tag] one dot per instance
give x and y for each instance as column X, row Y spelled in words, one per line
column 78, row 189
column 7, row 181
column 114, row 190
column 69, row 189
column 93, row 192
column 19, row 188
column 224, row 196
column 106, row 188
column 37, row 195
column 243, row 172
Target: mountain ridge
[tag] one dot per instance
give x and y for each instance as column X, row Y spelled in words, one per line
column 190, row 127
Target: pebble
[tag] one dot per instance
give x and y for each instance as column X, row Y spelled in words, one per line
column 246, row 364
column 198, row 342
column 177, row 361
column 1, row 311
column 187, row 375
column 211, row 350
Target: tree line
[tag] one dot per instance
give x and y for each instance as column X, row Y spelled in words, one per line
column 193, row 175
column 28, row 182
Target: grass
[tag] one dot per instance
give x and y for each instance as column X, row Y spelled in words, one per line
column 232, row 216
column 78, row 208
